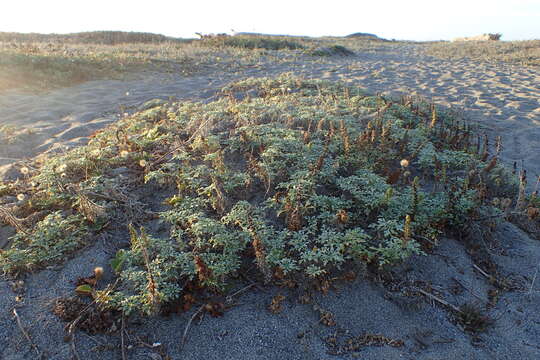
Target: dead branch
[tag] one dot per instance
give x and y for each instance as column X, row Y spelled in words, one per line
column 71, row 336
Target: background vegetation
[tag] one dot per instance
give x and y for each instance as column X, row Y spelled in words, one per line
column 515, row 52
column 38, row 62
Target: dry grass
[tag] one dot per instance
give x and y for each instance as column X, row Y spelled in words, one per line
column 91, row 37
column 38, row 62
column 46, row 65
column 516, row 52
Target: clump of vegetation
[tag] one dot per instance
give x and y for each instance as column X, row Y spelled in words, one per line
column 49, row 242
column 473, row 319
column 332, row 50
column 251, row 42
column 296, row 178
column 90, row 37
column 517, row 52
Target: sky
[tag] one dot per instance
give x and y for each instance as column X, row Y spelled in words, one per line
column 399, row 19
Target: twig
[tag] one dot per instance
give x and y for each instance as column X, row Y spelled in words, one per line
column 71, row 336
column 531, row 345
column 482, row 271
column 229, row 297
column 93, row 339
column 184, row 143
column 445, row 303
column 124, row 355
column 241, row 290
column 26, row 335
column 188, row 325
column 533, row 280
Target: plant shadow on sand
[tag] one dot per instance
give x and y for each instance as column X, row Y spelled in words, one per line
column 287, row 218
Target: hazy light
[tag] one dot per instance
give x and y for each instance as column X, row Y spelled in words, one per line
column 415, row 20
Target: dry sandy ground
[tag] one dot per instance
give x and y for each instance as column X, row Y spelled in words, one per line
column 504, row 99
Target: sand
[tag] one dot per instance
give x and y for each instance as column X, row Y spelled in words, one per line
column 503, row 99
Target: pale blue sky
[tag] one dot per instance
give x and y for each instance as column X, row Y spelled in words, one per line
column 400, row 19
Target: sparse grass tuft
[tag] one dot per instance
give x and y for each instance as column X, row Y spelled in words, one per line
column 473, row 319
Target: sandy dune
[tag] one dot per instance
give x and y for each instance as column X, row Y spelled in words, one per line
column 503, row 99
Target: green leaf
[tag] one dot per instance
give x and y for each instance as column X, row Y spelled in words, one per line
column 84, row 290
column 118, row 261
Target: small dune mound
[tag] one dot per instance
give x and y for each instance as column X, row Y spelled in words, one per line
column 334, row 50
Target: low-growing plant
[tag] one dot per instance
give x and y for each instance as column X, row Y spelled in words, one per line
column 49, row 242
column 293, row 177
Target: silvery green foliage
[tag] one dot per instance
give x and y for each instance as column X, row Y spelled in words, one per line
column 49, row 242
column 367, row 190
column 289, row 175
column 168, row 265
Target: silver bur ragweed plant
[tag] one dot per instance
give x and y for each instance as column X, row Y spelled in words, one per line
column 49, row 242
column 294, row 177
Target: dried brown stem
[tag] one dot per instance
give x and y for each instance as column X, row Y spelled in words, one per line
column 25, row 333
column 439, row 300
column 188, row 325
column 7, row 216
